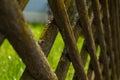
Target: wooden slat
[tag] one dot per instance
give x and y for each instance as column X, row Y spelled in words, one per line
column 117, row 36
column 86, row 27
column 84, row 56
column 48, row 37
column 106, row 23
column 84, row 51
column 22, row 4
column 118, row 5
column 101, row 38
column 19, row 35
column 61, row 17
column 64, row 62
column 27, row 76
column 63, row 20
column 50, row 32
column 90, row 72
column 113, row 31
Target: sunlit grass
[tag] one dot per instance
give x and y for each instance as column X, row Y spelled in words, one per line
column 56, row 52
column 11, row 66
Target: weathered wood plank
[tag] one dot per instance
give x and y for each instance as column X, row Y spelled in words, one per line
column 117, row 36
column 27, row 76
column 108, row 39
column 118, row 18
column 114, row 33
column 48, row 37
column 86, row 27
column 64, row 26
column 64, row 63
column 84, row 51
column 107, row 43
column 19, row 35
column 101, row 38
column 22, row 4
column 50, row 32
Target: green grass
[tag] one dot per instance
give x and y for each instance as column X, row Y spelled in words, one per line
column 12, row 67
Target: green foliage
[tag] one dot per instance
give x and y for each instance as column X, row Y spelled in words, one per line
column 12, row 67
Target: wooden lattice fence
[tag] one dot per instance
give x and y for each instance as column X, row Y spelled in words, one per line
column 98, row 21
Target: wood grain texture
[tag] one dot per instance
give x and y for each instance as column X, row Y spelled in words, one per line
column 20, row 36
column 87, row 31
column 61, row 17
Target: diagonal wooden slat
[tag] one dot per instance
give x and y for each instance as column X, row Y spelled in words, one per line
column 106, row 23
column 101, row 38
column 27, row 76
column 117, row 35
column 48, row 37
column 83, row 14
column 50, row 32
column 118, row 18
column 22, row 4
column 62, row 20
column 108, row 41
column 19, row 35
column 64, row 62
column 84, row 52
column 114, row 32
column 90, row 72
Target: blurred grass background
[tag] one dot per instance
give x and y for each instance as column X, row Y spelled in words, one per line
column 12, row 67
